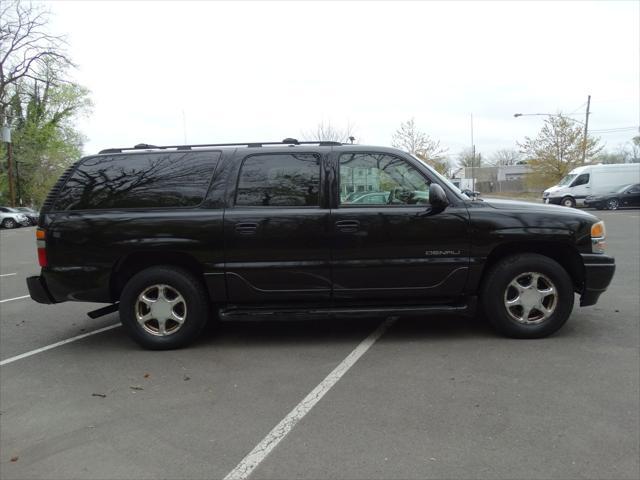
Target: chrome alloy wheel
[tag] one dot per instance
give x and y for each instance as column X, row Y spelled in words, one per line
column 160, row 310
column 531, row 298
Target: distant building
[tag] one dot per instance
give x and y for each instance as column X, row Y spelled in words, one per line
column 509, row 178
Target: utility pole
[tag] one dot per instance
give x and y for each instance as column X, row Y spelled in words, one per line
column 6, row 137
column 19, row 200
column 12, row 193
column 473, row 159
column 586, row 130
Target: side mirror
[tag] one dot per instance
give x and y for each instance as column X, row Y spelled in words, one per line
column 437, row 198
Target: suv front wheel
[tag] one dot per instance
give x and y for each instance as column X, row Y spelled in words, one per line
column 164, row 307
column 527, row 296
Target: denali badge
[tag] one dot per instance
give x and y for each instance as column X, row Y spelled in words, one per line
column 433, row 253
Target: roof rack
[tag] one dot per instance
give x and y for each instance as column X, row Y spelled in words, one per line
column 287, row 141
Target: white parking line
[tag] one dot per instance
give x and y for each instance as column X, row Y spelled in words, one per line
column 275, row 436
column 6, row 274
column 57, row 344
column 15, row 298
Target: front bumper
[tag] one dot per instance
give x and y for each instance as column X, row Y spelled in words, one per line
column 598, row 272
column 38, row 290
column 552, row 200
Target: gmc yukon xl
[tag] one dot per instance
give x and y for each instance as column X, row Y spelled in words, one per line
column 174, row 236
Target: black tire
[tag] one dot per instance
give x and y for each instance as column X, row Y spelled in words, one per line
column 9, row 223
column 568, row 202
column 495, row 287
column 613, row 204
column 195, row 304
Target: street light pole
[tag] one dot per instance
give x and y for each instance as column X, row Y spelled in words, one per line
column 586, row 129
column 585, row 123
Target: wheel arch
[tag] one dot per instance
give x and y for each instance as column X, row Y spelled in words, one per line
column 129, row 265
column 563, row 253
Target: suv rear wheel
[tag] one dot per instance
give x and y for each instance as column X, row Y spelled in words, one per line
column 164, row 307
column 527, row 296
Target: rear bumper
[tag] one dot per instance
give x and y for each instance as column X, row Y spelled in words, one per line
column 38, row 290
column 598, row 272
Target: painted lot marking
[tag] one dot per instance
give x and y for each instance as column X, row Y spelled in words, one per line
column 275, row 436
column 6, row 274
column 14, row 298
column 57, row 344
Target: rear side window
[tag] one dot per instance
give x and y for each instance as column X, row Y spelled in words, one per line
column 146, row 180
column 279, row 180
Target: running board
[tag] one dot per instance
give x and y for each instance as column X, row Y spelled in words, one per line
column 308, row 313
column 103, row 311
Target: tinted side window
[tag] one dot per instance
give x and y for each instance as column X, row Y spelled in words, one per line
column 147, row 180
column 581, row 180
column 390, row 181
column 279, row 180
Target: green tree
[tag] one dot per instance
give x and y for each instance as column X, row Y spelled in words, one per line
column 45, row 139
column 37, row 101
column 557, row 150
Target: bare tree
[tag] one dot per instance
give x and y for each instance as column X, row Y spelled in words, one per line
column 506, row 157
column 412, row 140
column 27, row 50
column 325, row 132
column 467, row 159
column 631, row 150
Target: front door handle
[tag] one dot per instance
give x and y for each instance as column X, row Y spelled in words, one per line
column 246, row 228
column 348, row 226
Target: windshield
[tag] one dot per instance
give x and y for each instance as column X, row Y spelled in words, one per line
column 567, row 180
column 444, row 180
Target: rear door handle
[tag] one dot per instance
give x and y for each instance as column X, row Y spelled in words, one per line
column 246, row 228
column 348, row 226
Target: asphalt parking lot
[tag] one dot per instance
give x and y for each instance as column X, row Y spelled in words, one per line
column 431, row 398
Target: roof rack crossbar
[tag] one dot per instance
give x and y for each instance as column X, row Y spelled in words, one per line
column 286, row 141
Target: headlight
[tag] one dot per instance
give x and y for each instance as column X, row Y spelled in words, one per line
column 598, row 235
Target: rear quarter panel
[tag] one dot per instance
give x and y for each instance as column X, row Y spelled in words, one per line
column 83, row 247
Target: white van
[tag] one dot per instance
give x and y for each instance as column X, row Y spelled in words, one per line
column 591, row 180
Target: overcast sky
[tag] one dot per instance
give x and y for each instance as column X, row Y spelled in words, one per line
column 264, row 71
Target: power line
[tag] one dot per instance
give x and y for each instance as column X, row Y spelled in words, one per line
column 568, row 114
column 614, row 129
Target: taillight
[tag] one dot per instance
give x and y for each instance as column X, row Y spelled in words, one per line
column 42, row 247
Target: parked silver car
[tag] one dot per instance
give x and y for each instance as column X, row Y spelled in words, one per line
column 12, row 218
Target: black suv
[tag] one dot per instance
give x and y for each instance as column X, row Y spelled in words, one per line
column 175, row 235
